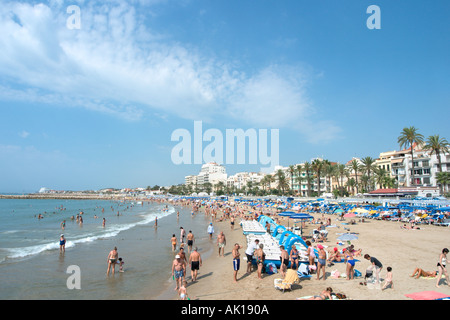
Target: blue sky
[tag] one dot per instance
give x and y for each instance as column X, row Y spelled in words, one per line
column 95, row 107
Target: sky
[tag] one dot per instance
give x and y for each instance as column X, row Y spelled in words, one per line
column 90, row 99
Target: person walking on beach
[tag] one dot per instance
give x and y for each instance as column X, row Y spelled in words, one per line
column 232, row 222
column 62, row 244
column 182, row 234
column 249, row 253
column 221, row 242
column 195, row 259
column 236, row 260
column 321, row 261
column 442, row 267
column 190, row 241
column 112, row 259
column 173, row 240
column 377, row 266
column 178, row 271
column 210, row 230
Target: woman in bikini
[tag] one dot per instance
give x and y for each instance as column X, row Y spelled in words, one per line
column 442, row 267
column 422, row 273
column 324, row 295
column 350, row 264
column 311, row 255
column 294, row 257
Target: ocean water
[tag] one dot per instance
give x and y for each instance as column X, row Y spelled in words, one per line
column 32, row 267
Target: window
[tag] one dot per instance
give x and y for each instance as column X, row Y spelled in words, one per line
column 415, row 164
column 425, row 163
column 426, row 180
column 426, row 171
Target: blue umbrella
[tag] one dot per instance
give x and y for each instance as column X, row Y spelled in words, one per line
column 301, row 216
column 287, row 213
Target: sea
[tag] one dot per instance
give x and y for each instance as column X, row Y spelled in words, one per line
column 33, row 268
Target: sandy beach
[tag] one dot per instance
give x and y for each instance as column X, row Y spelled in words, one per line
column 402, row 250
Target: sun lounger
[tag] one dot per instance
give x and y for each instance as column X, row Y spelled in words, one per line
column 286, row 283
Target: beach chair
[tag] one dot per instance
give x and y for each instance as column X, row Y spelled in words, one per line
column 286, row 283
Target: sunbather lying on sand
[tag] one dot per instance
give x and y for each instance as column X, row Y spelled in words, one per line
column 324, row 295
column 422, row 273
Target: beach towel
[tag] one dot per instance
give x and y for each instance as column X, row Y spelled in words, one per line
column 427, row 295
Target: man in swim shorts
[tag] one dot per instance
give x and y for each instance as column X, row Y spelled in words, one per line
column 190, row 241
column 221, row 242
column 195, row 260
column 178, row 268
column 236, row 260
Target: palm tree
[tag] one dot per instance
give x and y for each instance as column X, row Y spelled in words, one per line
column 219, row 186
column 390, row 182
column 355, row 167
column 443, row 178
column 291, row 171
column 307, row 168
column 437, row 145
column 368, row 166
column 328, row 169
column 380, row 177
column 351, row 184
column 317, row 167
column 408, row 137
column 282, row 182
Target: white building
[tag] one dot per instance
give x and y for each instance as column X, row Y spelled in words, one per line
column 210, row 172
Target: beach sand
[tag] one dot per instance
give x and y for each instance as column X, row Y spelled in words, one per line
column 403, row 250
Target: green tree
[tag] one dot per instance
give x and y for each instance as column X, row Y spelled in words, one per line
column 443, row 178
column 317, row 166
column 368, row 165
column 437, row 146
column 355, row 166
column 407, row 138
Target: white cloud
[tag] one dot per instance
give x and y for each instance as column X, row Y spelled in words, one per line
column 118, row 65
column 24, row 134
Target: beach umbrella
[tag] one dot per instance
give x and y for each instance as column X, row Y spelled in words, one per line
column 348, row 237
column 349, row 215
column 287, row 213
column 301, row 216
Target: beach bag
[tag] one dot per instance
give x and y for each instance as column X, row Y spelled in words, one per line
column 357, row 274
column 335, row 274
column 271, row 268
column 303, row 269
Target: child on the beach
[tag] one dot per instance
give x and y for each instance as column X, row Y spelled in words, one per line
column 120, row 264
column 183, row 292
column 388, row 280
